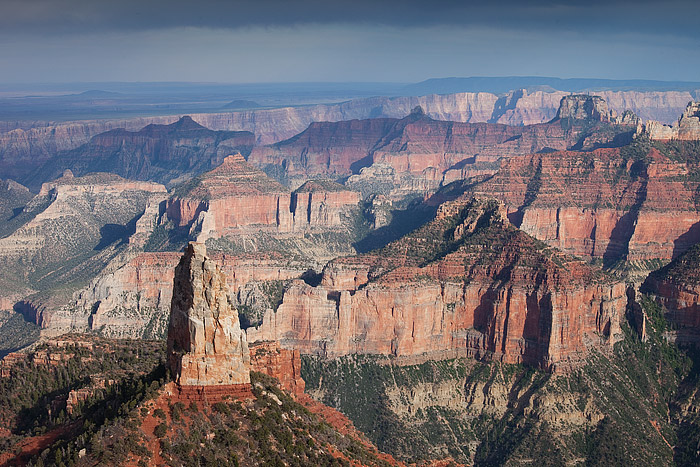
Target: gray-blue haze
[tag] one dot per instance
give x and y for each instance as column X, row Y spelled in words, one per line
column 361, row 40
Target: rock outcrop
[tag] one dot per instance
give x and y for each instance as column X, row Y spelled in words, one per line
column 282, row 364
column 206, row 346
column 686, row 129
column 632, row 204
column 161, row 153
column 467, row 283
column 425, row 150
column 583, row 107
column 677, row 288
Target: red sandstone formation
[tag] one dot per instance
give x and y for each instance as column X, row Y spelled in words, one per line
column 283, row 364
column 206, row 346
column 601, row 205
column 236, row 197
column 467, row 282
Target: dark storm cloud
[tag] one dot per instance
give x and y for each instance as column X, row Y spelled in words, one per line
column 675, row 17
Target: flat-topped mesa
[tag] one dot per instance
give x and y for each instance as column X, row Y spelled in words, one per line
column 583, row 107
column 98, row 183
column 687, row 128
column 206, row 346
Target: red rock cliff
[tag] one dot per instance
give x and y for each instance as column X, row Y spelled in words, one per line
column 677, row 287
column 237, row 196
column 467, row 283
column 602, row 204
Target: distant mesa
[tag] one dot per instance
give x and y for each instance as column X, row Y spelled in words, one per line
column 583, row 107
column 242, row 104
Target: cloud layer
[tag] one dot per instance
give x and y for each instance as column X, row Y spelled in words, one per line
column 342, row 40
column 675, row 17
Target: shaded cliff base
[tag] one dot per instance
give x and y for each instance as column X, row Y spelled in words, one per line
column 636, row 405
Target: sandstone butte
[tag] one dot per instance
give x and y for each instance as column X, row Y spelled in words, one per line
column 22, row 143
column 237, row 197
column 427, row 148
column 207, row 350
column 467, row 283
column 606, row 205
column 686, row 129
column 677, row 288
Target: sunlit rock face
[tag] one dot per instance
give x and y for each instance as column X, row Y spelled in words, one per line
column 206, row 346
column 467, row 283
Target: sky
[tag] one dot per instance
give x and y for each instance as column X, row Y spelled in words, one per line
column 250, row 41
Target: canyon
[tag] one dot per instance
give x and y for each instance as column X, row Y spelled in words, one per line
column 637, row 203
column 433, row 150
column 458, row 289
column 30, row 143
column 467, row 283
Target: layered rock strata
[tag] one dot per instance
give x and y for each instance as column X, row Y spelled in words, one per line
column 42, row 140
column 686, row 129
column 282, row 364
column 632, row 204
column 206, row 346
column 238, row 198
column 467, row 282
column 425, row 149
column 66, row 235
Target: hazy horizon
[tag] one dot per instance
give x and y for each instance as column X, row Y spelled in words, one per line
column 274, row 41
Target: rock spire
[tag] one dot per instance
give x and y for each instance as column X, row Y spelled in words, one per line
column 206, row 346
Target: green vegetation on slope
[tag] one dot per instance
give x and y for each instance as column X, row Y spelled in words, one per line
column 628, row 406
